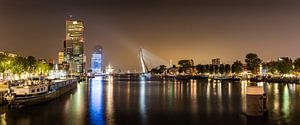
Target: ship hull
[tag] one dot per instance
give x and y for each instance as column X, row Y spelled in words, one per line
column 20, row 102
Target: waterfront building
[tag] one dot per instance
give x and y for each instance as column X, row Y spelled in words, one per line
column 60, row 57
column 51, row 61
column 84, row 62
column 97, row 60
column 216, row 61
column 73, row 46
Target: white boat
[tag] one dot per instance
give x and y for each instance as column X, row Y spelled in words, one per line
column 31, row 94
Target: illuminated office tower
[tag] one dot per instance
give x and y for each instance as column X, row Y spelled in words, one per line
column 73, row 46
column 60, row 57
column 97, row 60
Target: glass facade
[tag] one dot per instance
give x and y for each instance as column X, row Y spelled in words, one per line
column 97, row 60
column 73, row 50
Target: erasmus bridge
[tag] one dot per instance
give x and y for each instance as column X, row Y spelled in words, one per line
column 149, row 60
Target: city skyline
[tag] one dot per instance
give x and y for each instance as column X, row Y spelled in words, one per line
column 196, row 30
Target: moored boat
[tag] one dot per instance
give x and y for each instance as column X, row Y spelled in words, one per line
column 31, row 94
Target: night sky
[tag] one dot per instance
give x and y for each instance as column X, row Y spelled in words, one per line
column 171, row 29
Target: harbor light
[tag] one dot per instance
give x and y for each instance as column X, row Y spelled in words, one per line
column 109, row 69
column 57, row 74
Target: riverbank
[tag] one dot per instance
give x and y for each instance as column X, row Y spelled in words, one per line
column 270, row 79
column 277, row 79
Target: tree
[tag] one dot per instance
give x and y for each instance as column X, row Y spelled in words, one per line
column 272, row 67
column 154, row 71
column 211, row 69
column 159, row 70
column 222, row 69
column 162, row 69
column 200, row 68
column 184, row 65
column 174, row 66
column 297, row 64
column 216, row 69
column 42, row 67
column 3, row 61
column 227, row 68
column 237, row 67
column 285, row 66
column 206, row 68
column 32, row 63
column 19, row 64
column 253, row 62
column 15, row 64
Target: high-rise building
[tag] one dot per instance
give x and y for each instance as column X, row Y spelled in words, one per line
column 97, row 60
column 216, row 61
column 60, row 57
column 73, row 46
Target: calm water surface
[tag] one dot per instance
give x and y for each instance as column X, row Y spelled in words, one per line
column 159, row 102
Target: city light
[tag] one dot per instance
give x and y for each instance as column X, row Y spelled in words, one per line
column 149, row 62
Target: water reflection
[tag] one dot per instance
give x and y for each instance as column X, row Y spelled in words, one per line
column 96, row 109
column 243, row 95
column 286, row 102
column 219, row 93
column 208, row 97
column 193, row 95
column 109, row 102
column 276, row 101
column 159, row 102
column 229, row 97
column 74, row 106
column 143, row 101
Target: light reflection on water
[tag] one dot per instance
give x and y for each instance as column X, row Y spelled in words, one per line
column 109, row 102
column 243, row 95
column 159, row 102
column 96, row 110
column 143, row 102
column 286, row 102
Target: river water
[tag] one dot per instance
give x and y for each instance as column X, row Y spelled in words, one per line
column 135, row 102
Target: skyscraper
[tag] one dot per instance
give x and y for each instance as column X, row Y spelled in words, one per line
column 73, row 46
column 60, row 57
column 216, row 61
column 97, row 60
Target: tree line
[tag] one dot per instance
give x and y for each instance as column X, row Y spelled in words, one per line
column 252, row 63
column 12, row 65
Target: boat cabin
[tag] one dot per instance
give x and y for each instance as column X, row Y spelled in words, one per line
column 30, row 89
